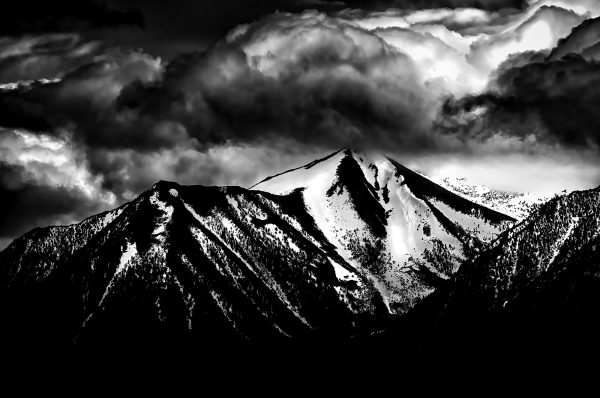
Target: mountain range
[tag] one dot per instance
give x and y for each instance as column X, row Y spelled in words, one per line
column 347, row 247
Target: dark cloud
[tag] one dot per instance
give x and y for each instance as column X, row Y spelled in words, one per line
column 26, row 203
column 491, row 5
column 195, row 24
column 46, row 56
column 555, row 101
column 328, row 90
column 167, row 30
column 80, row 98
column 584, row 40
column 27, row 16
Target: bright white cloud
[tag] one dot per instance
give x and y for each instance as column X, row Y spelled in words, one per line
column 539, row 32
column 52, row 162
column 457, row 50
column 544, row 174
column 440, row 65
column 589, row 8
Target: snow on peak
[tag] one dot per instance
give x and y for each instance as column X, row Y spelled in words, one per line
column 515, row 204
column 301, row 177
column 391, row 224
column 163, row 219
column 126, row 257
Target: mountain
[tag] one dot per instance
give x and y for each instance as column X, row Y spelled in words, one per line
column 391, row 224
column 546, row 266
column 536, row 288
column 323, row 252
column 187, row 262
column 515, row 204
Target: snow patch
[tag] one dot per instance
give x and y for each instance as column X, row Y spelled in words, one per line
column 342, row 274
column 111, row 216
column 126, row 257
column 559, row 244
column 515, row 204
column 163, row 220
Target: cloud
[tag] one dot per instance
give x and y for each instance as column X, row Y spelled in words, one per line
column 45, row 56
column 493, row 5
column 289, row 77
column 543, row 173
column 164, row 30
column 585, row 8
column 456, row 20
column 441, row 67
column 63, row 16
column 80, row 98
column 540, row 31
column 583, row 40
column 297, row 76
column 302, row 76
column 462, row 48
column 554, row 101
column 43, row 180
column 127, row 172
column 199, row 25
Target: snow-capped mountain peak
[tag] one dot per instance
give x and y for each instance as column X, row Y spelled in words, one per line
column 392, row 224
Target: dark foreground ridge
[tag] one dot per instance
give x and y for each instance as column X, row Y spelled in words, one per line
column 535, row 289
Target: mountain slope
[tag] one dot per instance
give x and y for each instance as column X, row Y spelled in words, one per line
column 535, row 289
column 391, row 224
column 323, row 252
column 515, row 204
column 548, row 263
column 189, row 262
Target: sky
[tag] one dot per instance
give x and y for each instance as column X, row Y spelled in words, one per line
column 101, row 99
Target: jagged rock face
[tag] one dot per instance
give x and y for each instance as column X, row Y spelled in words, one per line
column 354, row 240
column 544, row 270
column 391, row 224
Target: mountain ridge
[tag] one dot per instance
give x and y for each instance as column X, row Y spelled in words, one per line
column 534, row 289
column 325, row 251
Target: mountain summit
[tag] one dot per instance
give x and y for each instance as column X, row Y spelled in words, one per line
column 394, row 225
column 322, row 251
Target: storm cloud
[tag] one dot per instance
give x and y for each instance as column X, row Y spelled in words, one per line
column 306, row 77
column 550, row 98
column 27, row 16
column 584, row 40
